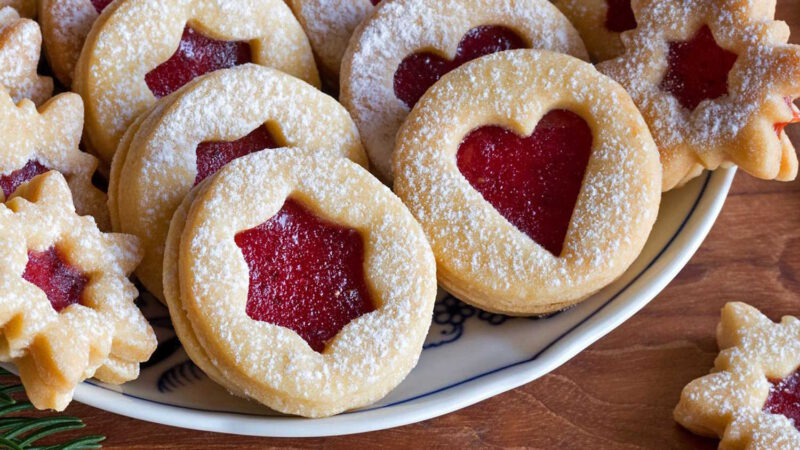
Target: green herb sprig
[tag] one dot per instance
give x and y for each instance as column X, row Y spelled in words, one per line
column 22, row 433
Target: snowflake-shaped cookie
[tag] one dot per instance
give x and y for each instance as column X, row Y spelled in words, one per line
column 37, row 141
column 714, row 80
column 20, row 45
column 67, row 308
column 730, row 402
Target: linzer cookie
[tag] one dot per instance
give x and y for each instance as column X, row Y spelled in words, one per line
column 206, row 124
column 65, row 25
column 329, row 24
column 534, row 177
column 300, row 281
column 715, row 81
column 35, row 142
column 406, row 45
column 20, row 45
column 751, row 398
column 67, row 309
column 142, row 50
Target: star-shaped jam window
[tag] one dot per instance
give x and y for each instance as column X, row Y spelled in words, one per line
column 752, row 397
column 715, row 81
column 698, row 69
column 67, row 308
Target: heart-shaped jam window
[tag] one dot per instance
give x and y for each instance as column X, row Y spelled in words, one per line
column 196, row 55
column 62, row 283
column 306, row 274
column 9, row 183
column 784, row 398
column 212, row 156
column 697, row 69
column 100, row 5
column 533, row 181
column 619, row 16
column 419, row 71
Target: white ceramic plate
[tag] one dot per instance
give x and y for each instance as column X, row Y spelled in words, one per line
column 469, row 355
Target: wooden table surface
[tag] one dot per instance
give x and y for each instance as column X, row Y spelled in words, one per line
column 620, row 392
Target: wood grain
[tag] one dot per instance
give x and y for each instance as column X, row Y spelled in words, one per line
column 620, row 392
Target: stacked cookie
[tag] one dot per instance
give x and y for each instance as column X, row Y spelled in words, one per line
column 524, row 179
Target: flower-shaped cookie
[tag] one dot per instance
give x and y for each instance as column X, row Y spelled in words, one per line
column 26, row 8
column 141, row 50
column 329, row 24
column 715, row 82
column 65, row 24
column 67, row 309
column 35, row 142
column 749, row 400
column 20, row 44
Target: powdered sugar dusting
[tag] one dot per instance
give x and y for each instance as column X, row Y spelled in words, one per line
column 727, row 128
column 730, row 401
column 373, row 352
column 329, row 24
column 111, row 72
column 20, row 43
column 160, row 167
column 68, row 24
column 472, row 241
column 398, row 29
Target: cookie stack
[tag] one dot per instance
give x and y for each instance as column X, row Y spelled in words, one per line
column 298, row 240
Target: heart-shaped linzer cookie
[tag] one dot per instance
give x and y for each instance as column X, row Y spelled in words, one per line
column 532, row 181
column 420, row 71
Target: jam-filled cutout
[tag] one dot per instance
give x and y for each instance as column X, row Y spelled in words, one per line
column 619, row 16
column 784, row 398
column 306, row 274
column 697, row 69
column 211, row 156
column 9, row 183
column 375, row 2
column 196, row 55
column 62, row 283
column 533, row 181
column 419, row 71
column 100, row 5
column 779, row 127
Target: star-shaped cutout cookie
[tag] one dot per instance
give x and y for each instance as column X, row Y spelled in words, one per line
column 20, row 46
column 35, row 141
column 712, row 79
column 729, row 403
column 67, row 308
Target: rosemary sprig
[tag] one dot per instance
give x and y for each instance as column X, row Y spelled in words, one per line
column 22, row 433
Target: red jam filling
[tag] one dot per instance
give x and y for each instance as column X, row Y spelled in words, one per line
column 196, row 55
column 100, row 5
column 211, row 156
column 9, row 183
column 375, row 2
column 532, row 181
column 420, row 71
column 784, row 398
column 779, row 127
column 619, row 16
column 306, row 274
column 697, row 69
column 62, row 283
